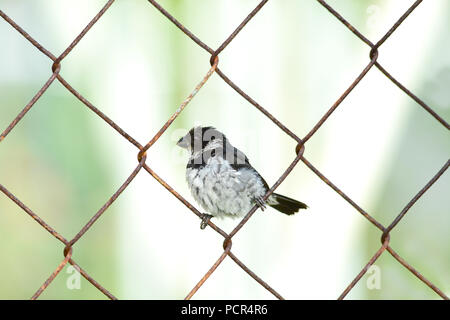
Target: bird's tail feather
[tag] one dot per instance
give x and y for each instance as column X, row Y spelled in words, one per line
column 284, row 204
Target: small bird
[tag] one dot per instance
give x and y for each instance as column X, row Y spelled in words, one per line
column 222, row 180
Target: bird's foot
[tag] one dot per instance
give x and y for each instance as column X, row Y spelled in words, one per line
column 260, row 203
column 205, row 219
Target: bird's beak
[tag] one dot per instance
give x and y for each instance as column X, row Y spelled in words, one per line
column 183, row 143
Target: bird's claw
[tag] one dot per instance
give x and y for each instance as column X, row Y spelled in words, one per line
column 261, row 203
column 205, row 219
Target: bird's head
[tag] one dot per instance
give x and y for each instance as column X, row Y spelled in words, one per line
column 199, row 138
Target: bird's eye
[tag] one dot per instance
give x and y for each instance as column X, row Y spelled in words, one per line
column 212, row 138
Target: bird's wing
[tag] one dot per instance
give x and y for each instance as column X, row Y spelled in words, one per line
column 240, row 161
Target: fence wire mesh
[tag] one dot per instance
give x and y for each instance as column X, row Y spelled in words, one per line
column 301, row 142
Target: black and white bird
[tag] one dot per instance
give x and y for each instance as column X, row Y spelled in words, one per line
column 222, row 180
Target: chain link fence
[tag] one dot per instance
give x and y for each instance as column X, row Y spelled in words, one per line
column 143, row 148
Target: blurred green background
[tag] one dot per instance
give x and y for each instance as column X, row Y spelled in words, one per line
column 295, row 59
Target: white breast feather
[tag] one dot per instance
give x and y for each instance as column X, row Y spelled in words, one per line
column 223, row 191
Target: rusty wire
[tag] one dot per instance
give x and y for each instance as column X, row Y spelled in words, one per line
column 142, row 149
